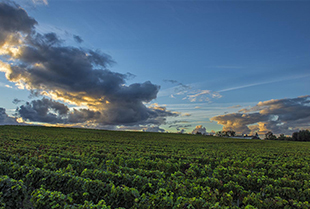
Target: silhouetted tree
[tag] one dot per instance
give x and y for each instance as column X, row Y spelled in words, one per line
column 281, row 137
column 269, row 135
column 295, row 136
column 303, row 135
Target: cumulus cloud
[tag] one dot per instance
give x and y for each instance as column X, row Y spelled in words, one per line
column 14, row 23
column 199, row 129
column 278, row 116
column 42, row 111
column 44, row 65
column 5, row 119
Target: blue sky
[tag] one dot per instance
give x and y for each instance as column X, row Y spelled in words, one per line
column 206, row 56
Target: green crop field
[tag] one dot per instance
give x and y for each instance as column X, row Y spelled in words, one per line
column 45, row 168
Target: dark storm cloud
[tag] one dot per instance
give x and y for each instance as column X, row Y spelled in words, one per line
column 46, row 66
column 5, row 119
column 44, row 110
column 83, row 115
column 13, row 19
column 78, row 39
column 47, row 110
column 279, row 116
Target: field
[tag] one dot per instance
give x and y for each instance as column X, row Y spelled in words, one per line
column 45, row 168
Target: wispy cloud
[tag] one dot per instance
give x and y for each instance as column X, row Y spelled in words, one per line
column 45, row 2
column 179, row 89
column 265, row 82
column 201, row 96
column 233, row 107
column 5, row 85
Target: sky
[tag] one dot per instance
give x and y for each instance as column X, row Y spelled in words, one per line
column 163, row 66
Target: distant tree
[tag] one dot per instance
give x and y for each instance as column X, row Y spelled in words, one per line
column 303, row 135
column 228, row 133
column 295, row 136
column 269, row 135
column 256, row 136
column 219, row 133
column 282, row 137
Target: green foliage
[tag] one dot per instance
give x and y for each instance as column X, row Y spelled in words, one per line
column 44, row 167
column 269, row 135
column 45, row 199
column 12, row 192
column 303, row 135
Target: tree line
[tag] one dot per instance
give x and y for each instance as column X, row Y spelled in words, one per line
column 303, row 135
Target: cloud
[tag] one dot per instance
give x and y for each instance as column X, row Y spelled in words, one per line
column 45, row 2
column 78, row 39
column 153, row 129
column 199, row 129
column 187, row 92
column 5, row 119
column 202, row 95
column 16, row 101
column 171, row 81
column 40, row 111
column 235, row 106
column 265, row 82
column 178, row 126
column 279, row 116
column 179, row 89
column 14, row 23
column 44, row 65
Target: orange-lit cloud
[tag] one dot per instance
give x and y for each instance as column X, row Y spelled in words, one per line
column 199, row 129
column 276, row 115
column 44, row 65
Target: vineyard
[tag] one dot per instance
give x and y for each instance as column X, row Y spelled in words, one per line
column 45, row 168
